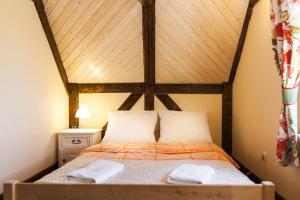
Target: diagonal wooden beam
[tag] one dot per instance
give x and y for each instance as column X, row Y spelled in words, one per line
column 168, row 102
column 241, row 42
column 111, row 87
column 148, row 7
column 126, row 105
column 50, row 37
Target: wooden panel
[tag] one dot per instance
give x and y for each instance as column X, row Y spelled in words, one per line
column 197, row 39
column 98, row 40
column 29, row 191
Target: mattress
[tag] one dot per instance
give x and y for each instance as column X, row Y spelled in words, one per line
column 149, row 171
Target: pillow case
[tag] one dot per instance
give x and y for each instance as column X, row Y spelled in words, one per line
column 131, row 126
column 181, row 126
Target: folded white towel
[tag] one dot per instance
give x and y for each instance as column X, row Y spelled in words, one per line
column 97, row 171
column 193, row 174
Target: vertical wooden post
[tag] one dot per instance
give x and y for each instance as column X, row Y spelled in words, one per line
column 10, row 190
column 268, row 190
column 149, row 51
column 227, row 118
column 73, row 104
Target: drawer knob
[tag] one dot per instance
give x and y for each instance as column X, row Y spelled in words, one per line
column 76, row 141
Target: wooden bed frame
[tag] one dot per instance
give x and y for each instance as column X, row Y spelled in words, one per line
column 14, row 190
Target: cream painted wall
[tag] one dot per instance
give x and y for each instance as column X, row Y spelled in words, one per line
column 256, row 107
column 100, row 104
column 33, row 101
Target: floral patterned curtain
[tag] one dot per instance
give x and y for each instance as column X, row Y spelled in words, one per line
column 285, row 18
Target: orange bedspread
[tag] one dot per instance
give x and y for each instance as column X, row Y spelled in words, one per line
column 160, row 151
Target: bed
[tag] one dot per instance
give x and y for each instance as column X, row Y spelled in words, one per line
column 147, row 164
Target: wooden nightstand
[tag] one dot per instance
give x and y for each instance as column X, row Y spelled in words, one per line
column 72, row 141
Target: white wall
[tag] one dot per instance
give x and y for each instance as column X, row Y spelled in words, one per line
column 256, row 107
column 33, row 100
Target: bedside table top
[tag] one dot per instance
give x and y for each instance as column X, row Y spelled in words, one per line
column 80, row 131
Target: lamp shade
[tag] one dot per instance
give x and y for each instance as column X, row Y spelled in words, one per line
column 83, row 112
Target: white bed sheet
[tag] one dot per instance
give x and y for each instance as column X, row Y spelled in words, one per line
column 149, row 172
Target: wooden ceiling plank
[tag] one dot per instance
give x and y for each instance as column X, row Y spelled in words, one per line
column 164, row 74
column 237, row 8
column 174, row 16
column 227, row 14
column 203, row 31
column 174, row 54
column 175, row 68
column 221, row 38
column 47, row 29
column 107, row 48
column 104, row 27
column 91, row 28
column 66, row 19
column 49, row 6
column 188, row 49
column 65, row 36
column 220, row 15
column 129, row 63
column 57, row 11
column 115, row 53
column 214, row 21
column 108, row 41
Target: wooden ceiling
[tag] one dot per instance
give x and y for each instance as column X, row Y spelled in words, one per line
column 100, row 41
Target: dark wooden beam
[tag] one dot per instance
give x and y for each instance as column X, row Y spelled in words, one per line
column 189, row 88
column 227, row 118
column 47, row 29
column 252, row 3
column 73, row 104
column 168, row 102
column 126, row 105
column 149, row 51
column 241, row 42
column 111, row 88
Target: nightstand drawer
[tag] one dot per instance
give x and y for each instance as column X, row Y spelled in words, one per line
column 80, row 141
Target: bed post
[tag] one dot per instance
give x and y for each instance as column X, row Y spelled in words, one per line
column 268, row 190
column 9, row 190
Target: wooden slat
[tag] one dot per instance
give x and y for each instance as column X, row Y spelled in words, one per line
column 149, row 51
column 29, row 191
column 126, row 105
column 189, row 88
column 46, row 26
column 73, row 105
column 168, row 102
column 241, row 43
column 227, row 118
column 111, row 88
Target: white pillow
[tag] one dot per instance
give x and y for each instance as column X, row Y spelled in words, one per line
column 131, row 126
column 180, row 126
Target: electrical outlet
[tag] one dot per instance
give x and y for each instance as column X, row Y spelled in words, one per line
column 264, row 156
